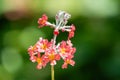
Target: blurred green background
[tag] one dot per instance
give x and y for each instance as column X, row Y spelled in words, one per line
column 97, row 38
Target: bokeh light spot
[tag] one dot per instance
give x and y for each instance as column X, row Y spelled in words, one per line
column 11, row 59
column 11, row 38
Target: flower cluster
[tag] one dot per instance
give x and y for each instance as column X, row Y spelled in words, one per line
column 45, row 51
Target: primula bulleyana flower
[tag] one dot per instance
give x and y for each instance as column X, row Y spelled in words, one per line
column 52, row 56
column 42, row 21
column 68, row 61
column 63, row 49
column 40, row 61
column 66, row 50
column 43, row 44
column 45, row 51
column 33, row 50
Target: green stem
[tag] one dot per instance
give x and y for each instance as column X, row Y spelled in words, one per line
column 52, row 72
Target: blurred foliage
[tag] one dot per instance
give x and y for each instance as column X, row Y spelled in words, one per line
column 97, row 38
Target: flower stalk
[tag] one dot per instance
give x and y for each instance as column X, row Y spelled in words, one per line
column 52, row 72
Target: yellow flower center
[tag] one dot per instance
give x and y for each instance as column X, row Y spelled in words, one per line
column 51, row 56
column 43, row 21
column 63, row 50
column 39, row 60
column 67, row 61
column 34, row 47
column 44, row 46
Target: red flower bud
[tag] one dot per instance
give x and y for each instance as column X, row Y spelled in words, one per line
column 56, row 32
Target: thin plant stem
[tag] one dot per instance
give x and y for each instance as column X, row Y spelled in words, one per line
column 52, row 66
column 52, row 72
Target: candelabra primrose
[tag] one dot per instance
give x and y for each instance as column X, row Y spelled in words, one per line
column 45, row 51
